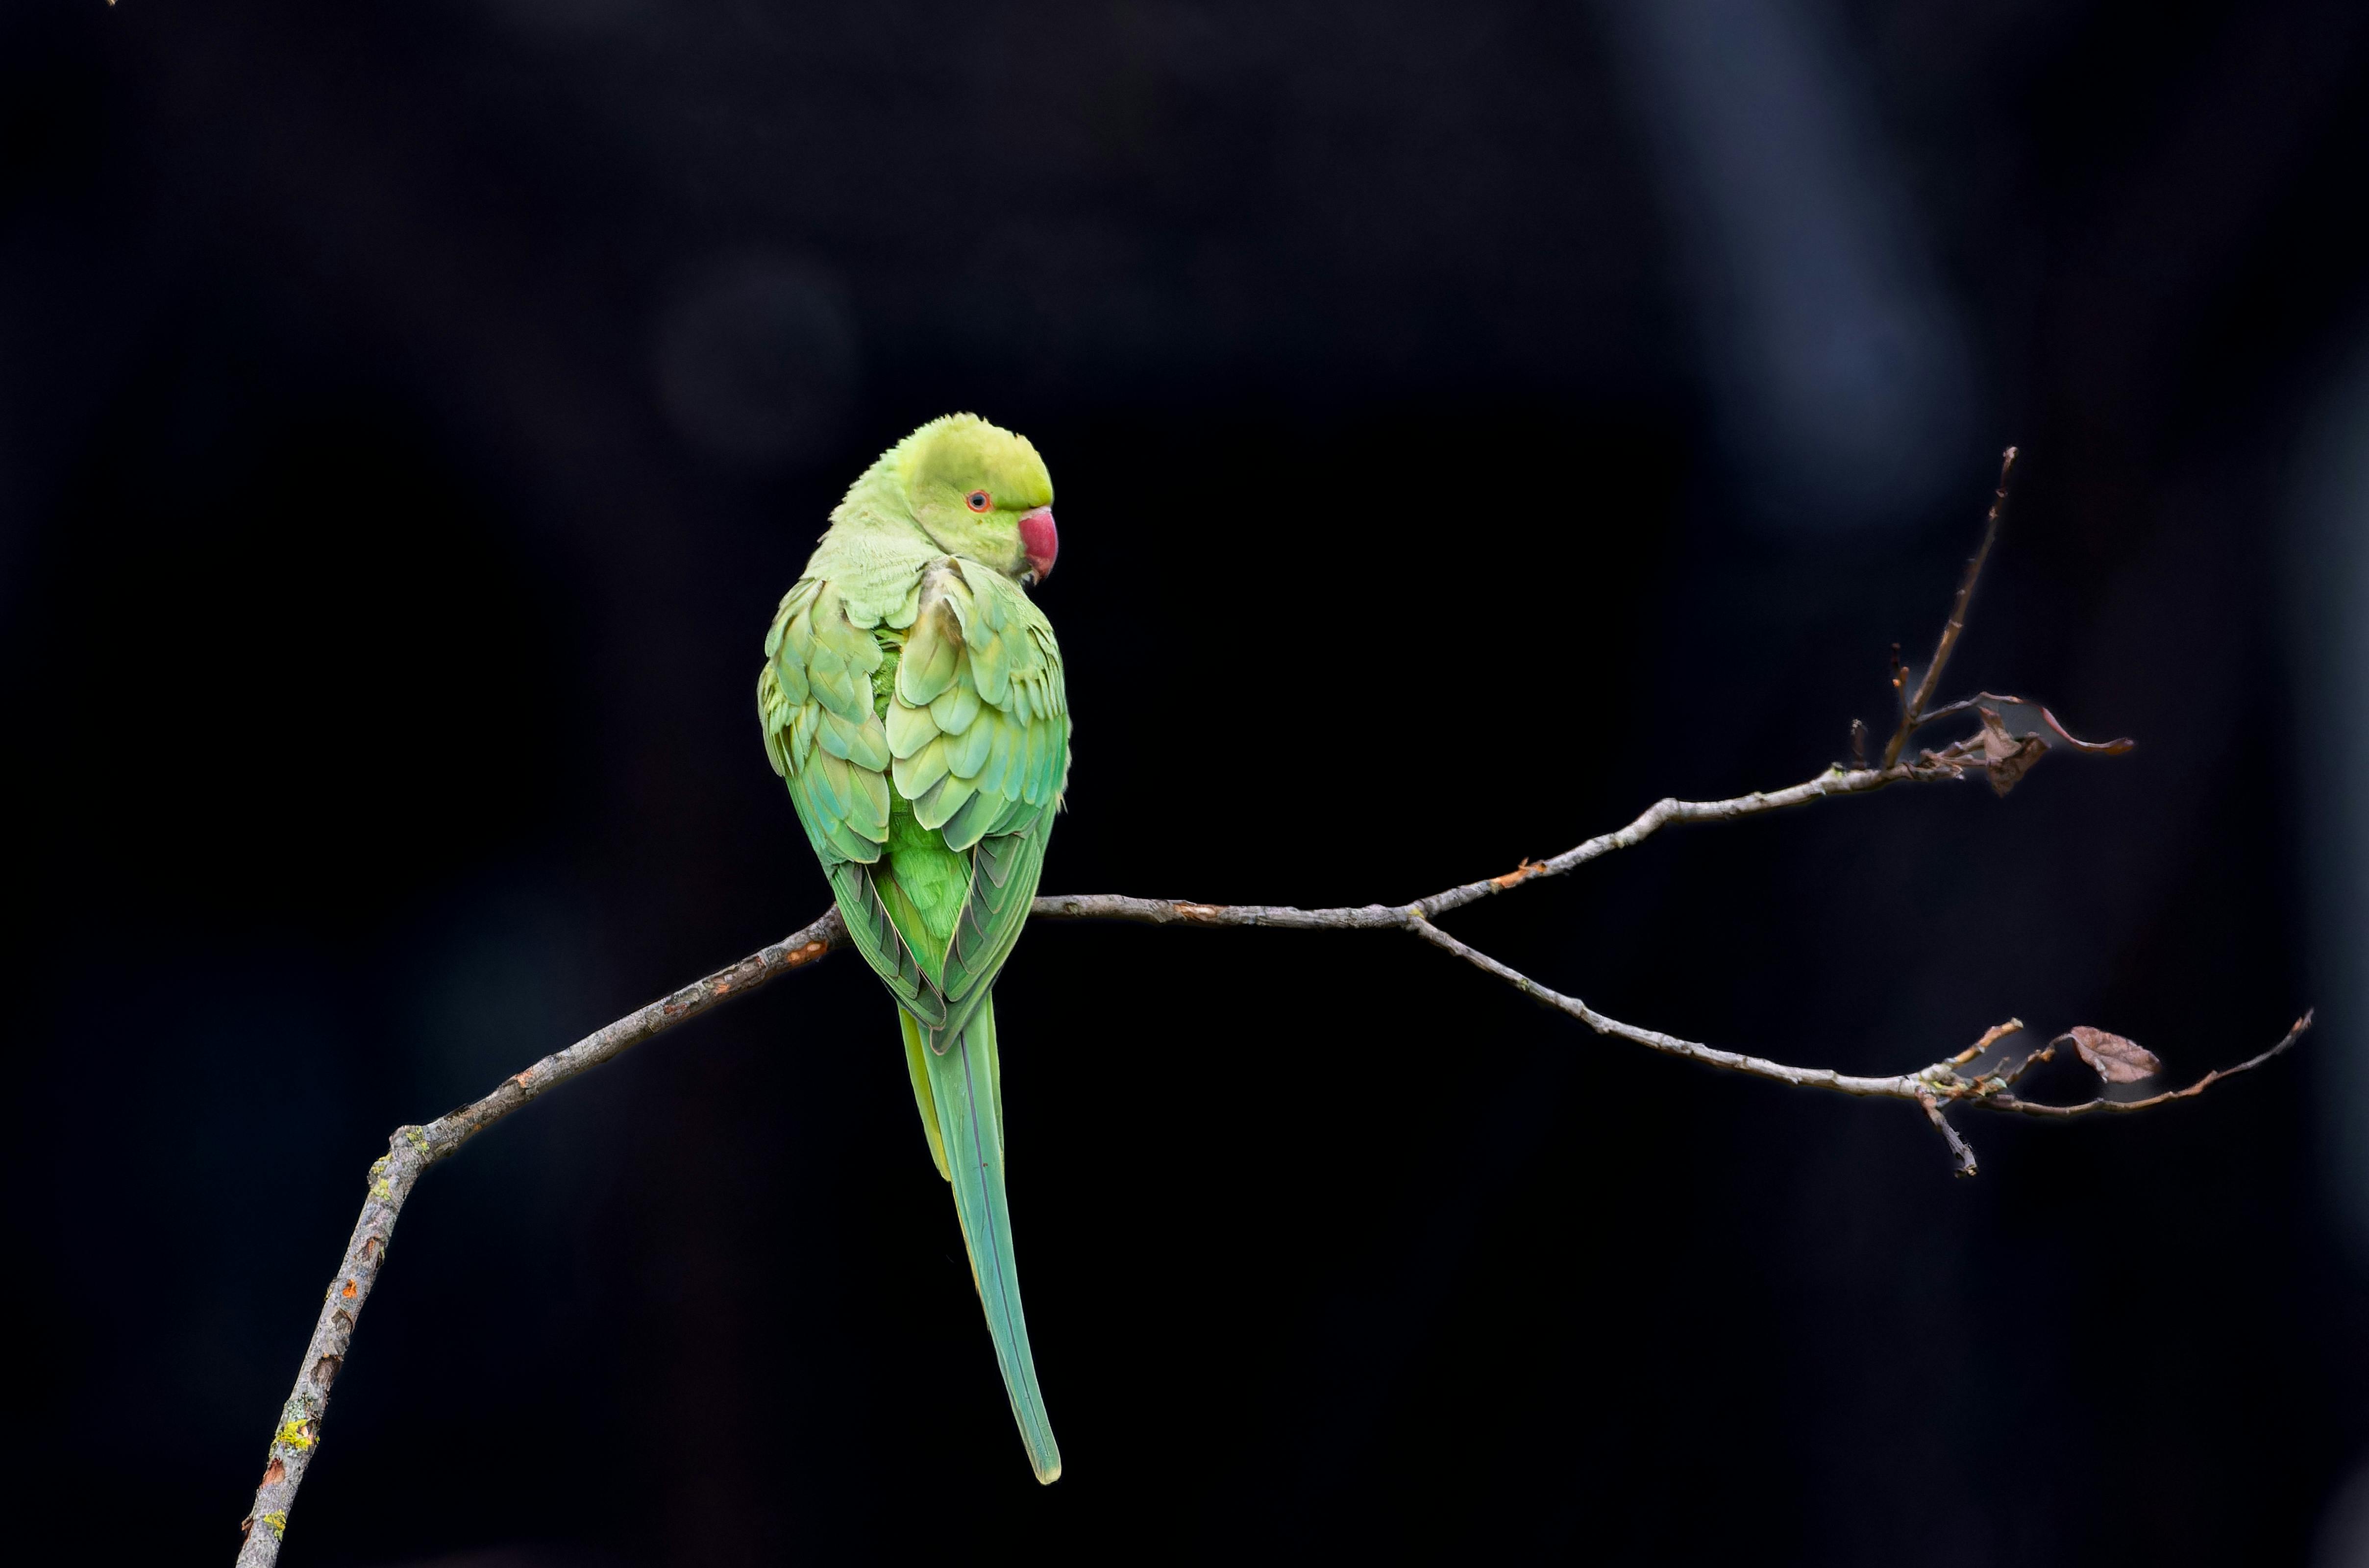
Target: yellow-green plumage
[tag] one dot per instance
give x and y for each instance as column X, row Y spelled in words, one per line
column 911, row 698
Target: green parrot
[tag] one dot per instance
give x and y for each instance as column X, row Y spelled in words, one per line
column 911, row 697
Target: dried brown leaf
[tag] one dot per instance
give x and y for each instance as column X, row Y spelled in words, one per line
column 2113, row 1058
column 2006, row 757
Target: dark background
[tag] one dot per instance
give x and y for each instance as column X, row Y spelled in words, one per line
column 1472, row 422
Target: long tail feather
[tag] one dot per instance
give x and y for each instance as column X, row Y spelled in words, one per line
column 961, row 1091
column 917, row 1065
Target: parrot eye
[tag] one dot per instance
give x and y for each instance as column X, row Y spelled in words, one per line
column 979, row 500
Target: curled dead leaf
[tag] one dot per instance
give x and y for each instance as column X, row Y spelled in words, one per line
column 2113, row 1058
column 2006, row 757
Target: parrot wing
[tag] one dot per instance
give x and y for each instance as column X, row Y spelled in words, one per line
column 824, row 736
column 966, row 747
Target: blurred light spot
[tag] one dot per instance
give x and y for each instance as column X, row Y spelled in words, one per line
column 1838, row 368
column 756, row 359
column 2328, row 580
column 2343, row 1537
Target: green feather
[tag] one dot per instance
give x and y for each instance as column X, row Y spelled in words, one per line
column 924, row 885
column 964, row 1099
column 971, row 820
column 954, row 708
column 909, row 729
column 967, row 752
column 917, row 772
column 940, row 802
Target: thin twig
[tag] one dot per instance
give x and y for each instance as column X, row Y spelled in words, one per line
column 1960, row 1150
column 1927, row 1086
column 1912, row 716
column 2032, row 1059
column 1833, row 783
column 1991, row 1037
column 2091, row 1108
column 1894, row 1087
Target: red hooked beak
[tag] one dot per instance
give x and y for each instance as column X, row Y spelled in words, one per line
column 1038, row 537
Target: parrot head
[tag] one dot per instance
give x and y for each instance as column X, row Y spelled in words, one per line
column 981, row 492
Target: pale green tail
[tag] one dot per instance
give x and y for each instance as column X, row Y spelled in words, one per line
column 961, row 1098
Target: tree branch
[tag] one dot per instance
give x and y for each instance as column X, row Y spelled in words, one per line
column 1913, row 716
column 413, row 1150
column 409, row 1153
column 1931, row 768
column 1993, row 751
